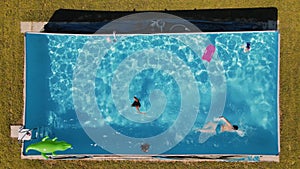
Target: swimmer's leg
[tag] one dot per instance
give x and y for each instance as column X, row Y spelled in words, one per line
column 138, row 110
column 206, row 130
column 210, row 127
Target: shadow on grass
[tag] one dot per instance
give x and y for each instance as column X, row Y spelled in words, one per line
column 210, row 20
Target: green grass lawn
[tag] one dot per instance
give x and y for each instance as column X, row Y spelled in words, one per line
column 12, row 67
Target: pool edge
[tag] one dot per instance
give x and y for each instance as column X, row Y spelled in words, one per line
column 208, row 157
column 162, row 158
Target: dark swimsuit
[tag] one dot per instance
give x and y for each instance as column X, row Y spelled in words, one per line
column 248, row 45
column 219, row 128
column 136, row 104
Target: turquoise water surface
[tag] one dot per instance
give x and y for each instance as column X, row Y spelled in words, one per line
column 81, row 87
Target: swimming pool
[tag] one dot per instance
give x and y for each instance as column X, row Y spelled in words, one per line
column 79, row 88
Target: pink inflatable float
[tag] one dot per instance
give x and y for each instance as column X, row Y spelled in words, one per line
column 209, row 52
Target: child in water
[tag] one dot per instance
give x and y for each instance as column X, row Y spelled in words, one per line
column 137, row 105
column 247, row 47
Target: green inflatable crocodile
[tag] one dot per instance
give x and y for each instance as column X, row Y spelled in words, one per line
column 49, row 146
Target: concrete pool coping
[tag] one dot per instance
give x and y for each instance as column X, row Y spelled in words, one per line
column 164, row 158
column 37, row 27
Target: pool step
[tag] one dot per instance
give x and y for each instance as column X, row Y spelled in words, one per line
column 32, row 26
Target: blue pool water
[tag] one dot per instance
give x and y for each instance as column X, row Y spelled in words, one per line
column 79, row 88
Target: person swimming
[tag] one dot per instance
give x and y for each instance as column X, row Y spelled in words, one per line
column 137, row 105
column 219, row 125
column 247, row 47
